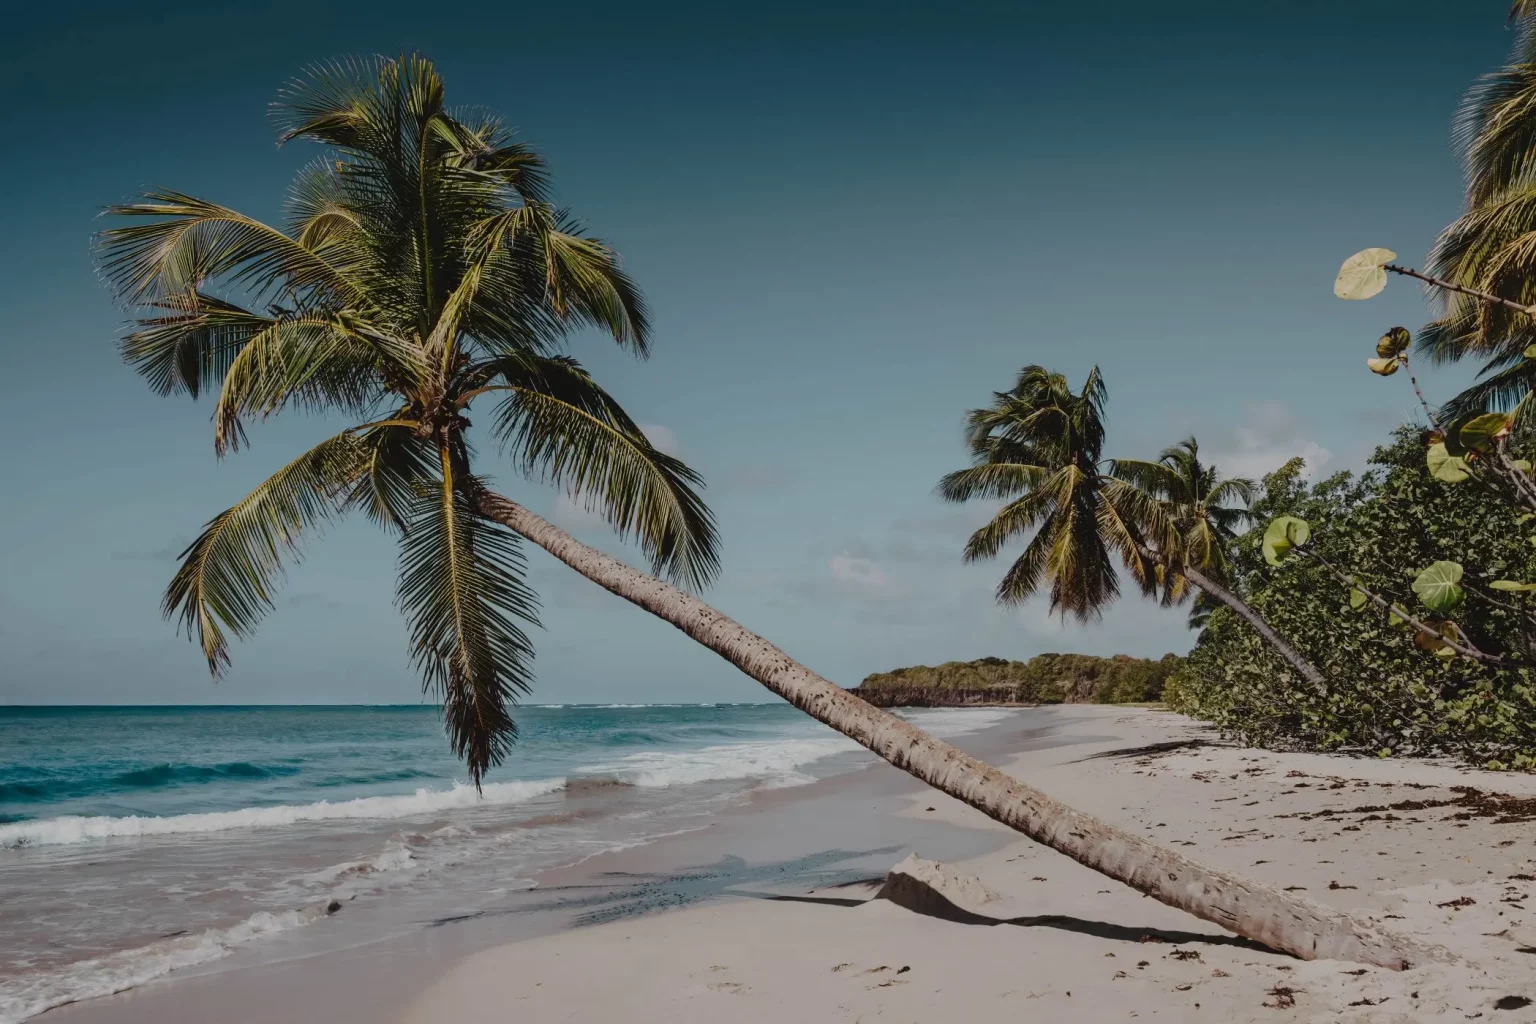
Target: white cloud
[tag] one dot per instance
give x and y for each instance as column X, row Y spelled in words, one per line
column 572, row 514
column 663, row 438
column 859, row 574
column 1270, row 435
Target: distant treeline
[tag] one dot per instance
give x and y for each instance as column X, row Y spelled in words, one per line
column 1043, row 679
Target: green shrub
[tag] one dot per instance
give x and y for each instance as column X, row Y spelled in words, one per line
column 1385, row 695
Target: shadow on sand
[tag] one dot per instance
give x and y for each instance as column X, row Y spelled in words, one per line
column 617, row 895
column 937, row 906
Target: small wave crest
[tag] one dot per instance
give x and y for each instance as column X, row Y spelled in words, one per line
column 44, row 787
column 773, row 760
column 26, row 996
column 77, row 829
column 582, row 784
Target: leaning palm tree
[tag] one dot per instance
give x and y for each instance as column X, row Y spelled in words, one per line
column 422, row 269
column 1040, row 447
column 1199, row 504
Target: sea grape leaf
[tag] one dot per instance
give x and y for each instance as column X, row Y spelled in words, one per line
column 1439, row 587
column 1480, row 433
column 1445, row 467
column 1394, row 342
column 1362, row 275
column 1282, row 535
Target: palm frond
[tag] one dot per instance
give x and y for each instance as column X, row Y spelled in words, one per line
column 1237, row 488
column 585, row 282
column 991, row 480
column 1013, row 520
column 1125, row 518
column 565, row 429
column 1025, row 576
column 1502, row 389
column 191, row 241
column 1083, row 577
column 1155, row 478
column 190, row 346
column 313, row 361
column 462, row 588
column 1495, row 127
column 395, row 469
column 228, row 574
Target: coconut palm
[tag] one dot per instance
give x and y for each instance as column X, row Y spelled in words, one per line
column 422, row 269
column 1198, row 503
column 1039, row 447
column 1492, row 246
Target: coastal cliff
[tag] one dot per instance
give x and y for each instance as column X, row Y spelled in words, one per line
column 1043, row 679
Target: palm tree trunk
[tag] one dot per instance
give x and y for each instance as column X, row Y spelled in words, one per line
column 1278, row 920
column 1295, row 658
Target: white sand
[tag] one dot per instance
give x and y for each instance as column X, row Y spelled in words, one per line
column 1069, row 942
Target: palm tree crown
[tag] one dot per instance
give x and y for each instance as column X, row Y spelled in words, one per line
column 1038, row 446
column 1198, row 504
column 1492, row 246
column 421, row 266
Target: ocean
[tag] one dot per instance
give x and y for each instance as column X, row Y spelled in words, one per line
column 138, row 841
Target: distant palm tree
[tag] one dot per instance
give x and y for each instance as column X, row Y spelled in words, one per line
column 422, row 268
column 1199, row 505
column 1039, row 447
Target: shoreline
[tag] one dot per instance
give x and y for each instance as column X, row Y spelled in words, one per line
column 283, row 980
column 1057, row 941
column 769, row 909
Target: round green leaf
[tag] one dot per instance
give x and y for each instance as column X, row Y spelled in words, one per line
column 1362, row 276
column 1530, row 352
column 1522, row 465
column 1282, row 535
column 1357, row 598
column 1385, row 367
column 1394, row 342
column 1445, row 467
column 1394, row 619
column 1439, row 587
column 1480, row 432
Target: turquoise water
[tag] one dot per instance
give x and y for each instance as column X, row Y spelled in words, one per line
column 136, row 841
column 172, row 761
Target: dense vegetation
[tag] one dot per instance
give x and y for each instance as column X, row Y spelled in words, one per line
column 1389, row 612
column 1043, row 679
column 1385, row 692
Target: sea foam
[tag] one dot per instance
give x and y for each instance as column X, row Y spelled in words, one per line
column 77, row 829
column 26, row 995
column 774, row 760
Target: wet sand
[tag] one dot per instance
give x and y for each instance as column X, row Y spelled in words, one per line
column 846, row 827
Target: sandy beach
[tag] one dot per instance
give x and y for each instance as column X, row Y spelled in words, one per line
column 1055, row 941
column 772, row 912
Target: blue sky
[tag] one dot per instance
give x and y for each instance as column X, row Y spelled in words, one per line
column 853, row 222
